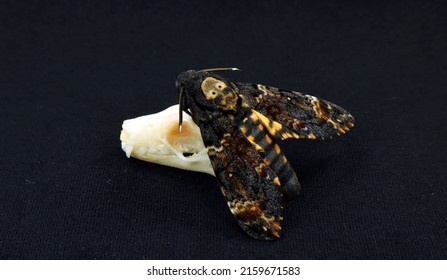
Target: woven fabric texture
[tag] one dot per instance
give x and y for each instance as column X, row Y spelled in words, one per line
column 71, row 72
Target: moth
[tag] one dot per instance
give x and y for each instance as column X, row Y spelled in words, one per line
column 240, row 124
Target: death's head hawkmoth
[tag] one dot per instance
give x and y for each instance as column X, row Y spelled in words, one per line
column 240, row 124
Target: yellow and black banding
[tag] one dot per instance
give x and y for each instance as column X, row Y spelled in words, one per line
column 259, row 137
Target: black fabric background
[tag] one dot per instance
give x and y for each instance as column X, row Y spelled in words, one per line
column 71, row 72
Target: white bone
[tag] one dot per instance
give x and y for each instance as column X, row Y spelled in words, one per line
column 156, row 138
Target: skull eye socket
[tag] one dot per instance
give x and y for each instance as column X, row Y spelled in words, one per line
column 219, row 86
column 213, row 93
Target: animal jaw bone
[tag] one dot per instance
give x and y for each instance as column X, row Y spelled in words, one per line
column 156, row 138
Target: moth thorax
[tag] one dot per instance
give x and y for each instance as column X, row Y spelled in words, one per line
column 219, row 93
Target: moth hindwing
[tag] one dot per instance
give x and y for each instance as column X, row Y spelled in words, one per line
column 240, row 124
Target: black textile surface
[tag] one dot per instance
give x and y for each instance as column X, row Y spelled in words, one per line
column 71, row 72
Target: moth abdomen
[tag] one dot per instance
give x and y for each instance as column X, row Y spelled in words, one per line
column 265, row 144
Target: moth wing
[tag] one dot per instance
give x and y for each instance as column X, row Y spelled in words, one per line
column 250, row 187
column 291, row 114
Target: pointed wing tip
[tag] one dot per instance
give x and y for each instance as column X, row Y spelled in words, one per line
column 268, row 236
column 266, row 230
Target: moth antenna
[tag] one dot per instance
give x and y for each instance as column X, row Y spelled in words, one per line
column 180, row 116
column 220, row 69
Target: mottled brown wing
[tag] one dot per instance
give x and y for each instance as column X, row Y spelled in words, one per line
column 290, row 114
column 250, row 187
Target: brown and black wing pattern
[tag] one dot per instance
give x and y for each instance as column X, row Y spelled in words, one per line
column 240, row 124
column 249, row 185
column 293, row 114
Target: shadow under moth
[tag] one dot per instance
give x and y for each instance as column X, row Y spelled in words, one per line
column 240, row 124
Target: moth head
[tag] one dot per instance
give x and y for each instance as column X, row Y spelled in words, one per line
column 203, row 90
